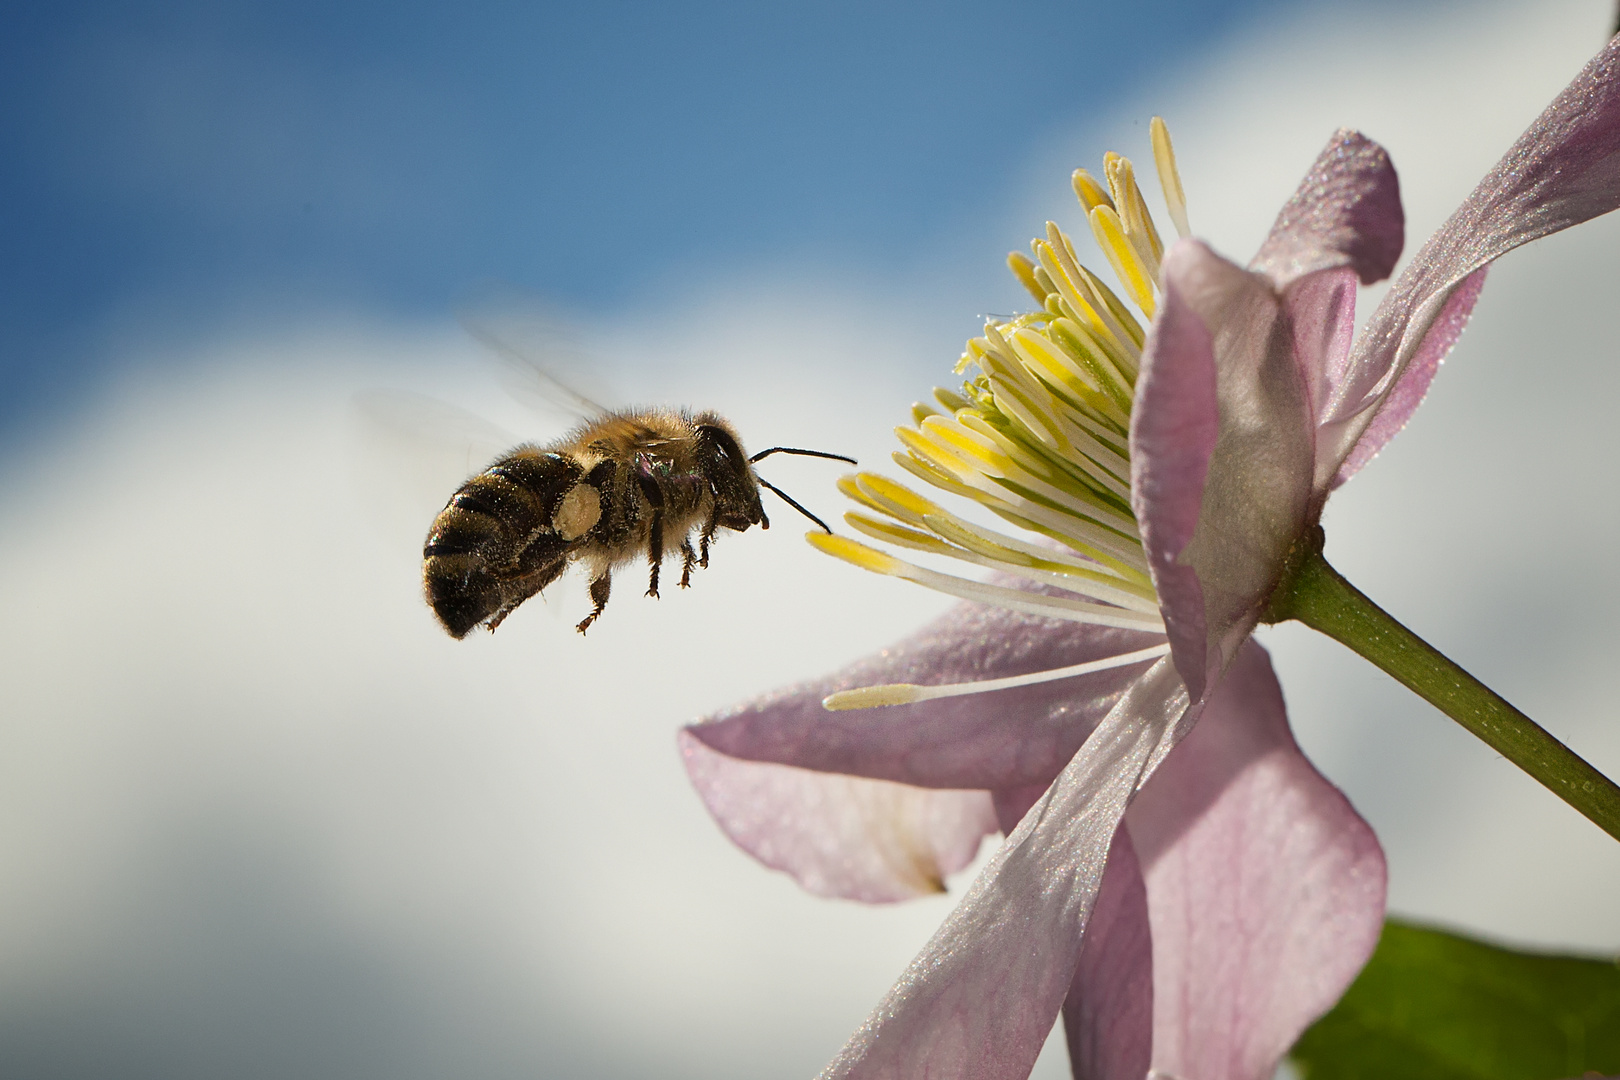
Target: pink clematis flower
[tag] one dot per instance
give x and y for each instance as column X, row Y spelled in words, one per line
column 1166, row 474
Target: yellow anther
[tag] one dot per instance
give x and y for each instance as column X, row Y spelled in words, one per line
column 888, row 531
column 871, row 697
column 1111, row 162
column 921, row 412
column 1127, row 264
column 1133, row 214
column 1050, row 360
column 934, row 456
column 853, row 551
column 1164, row 157
column 1127, row 332
column 882, row 490
column 1088, row 191
column 850, row 485
column 929, row 473
column 1086, row 350
column 1024, row 271
column 954, row 439
column 1090, row 302
column 1044, row 280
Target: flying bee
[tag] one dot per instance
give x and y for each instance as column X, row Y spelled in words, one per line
column 621, row 486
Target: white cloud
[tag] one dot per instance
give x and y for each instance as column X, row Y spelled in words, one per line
column 260, row 817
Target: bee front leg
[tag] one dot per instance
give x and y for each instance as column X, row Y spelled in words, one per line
column 688, row 557
column 599, row 597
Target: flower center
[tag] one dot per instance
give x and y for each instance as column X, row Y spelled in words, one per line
column 1038, row 434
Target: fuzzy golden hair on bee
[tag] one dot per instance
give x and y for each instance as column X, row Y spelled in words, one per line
column 619, row 488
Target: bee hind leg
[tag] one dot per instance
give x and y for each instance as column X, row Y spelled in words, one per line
column 688, row 558
column 599, row 597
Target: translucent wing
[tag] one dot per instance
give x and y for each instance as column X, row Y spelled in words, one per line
column 414, row 451
column 542, row 364
column 400, row 417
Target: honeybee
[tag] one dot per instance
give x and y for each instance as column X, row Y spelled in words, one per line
column 622, row 486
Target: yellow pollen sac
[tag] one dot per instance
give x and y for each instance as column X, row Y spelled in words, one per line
column 897, row 534
column 1024, row 271
column 872, row 697
column 1164, row 157
column 1088, row 191
column 1122, row 255
column 1133, row 213
column 885, row 491
column 852, row 551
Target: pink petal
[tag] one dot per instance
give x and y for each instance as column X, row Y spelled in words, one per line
column 1108, row 1015
column 1322, row 309
column 1174, row 427
column 1564, row 170
column 1408, row 391
column 1010, row 738
column 983, row 994
column 1253, row 501
column 860, row 839
column 1346, row 213
column 1265, row 888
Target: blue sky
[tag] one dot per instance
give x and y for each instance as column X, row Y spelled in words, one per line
column 181, row 167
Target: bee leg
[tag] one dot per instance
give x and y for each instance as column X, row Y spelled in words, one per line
column 518, row 587
column 599, row 597
column 655, row 550
column 655, row 531
column 688, row 557
column 703, row 542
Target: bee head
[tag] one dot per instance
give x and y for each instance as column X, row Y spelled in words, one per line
column 731, row 478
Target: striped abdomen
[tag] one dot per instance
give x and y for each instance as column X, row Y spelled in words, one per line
column 495, row 543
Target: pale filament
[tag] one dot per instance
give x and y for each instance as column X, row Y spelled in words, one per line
column 871, row 697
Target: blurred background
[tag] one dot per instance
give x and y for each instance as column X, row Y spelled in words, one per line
column 260, row 817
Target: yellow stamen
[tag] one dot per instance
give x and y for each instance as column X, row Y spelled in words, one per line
column 921, row 412
column 1122, row 255
column 1133, row 213
column 1024, row 271
column 872, row 697
column 851, row 551
column 897, row 534
column 1164, row 156
column 908, row 503
column 868, row 697
column 1088, row 191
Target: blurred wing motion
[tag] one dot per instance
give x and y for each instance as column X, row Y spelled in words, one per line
column 415, row 448
column 446, row 429
column 543, row 366
column 410, row 449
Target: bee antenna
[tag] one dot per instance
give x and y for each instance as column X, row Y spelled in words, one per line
column 802, row 453
column 785, row 497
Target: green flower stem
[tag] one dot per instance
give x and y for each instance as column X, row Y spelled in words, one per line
column 1317, row 596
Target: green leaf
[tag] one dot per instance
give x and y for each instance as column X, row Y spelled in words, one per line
column 1432, row 1005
